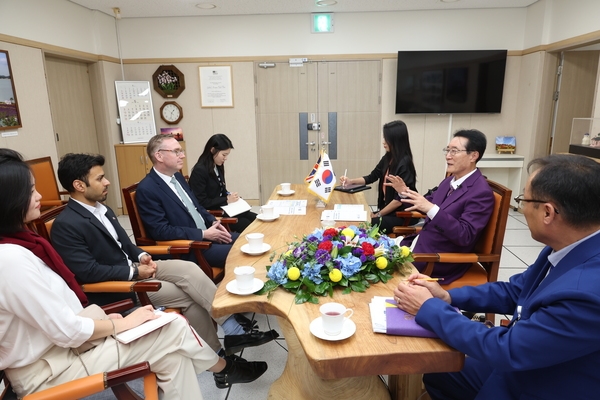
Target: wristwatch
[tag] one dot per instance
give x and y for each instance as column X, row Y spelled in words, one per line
column 136, row 273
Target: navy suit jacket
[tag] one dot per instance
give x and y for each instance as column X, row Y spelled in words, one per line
column 162, row 212
column 553, row 350
column 458, row 224
column 90, row 251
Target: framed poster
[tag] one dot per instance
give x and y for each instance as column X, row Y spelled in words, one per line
column 215, row 86
column 9, row 108
column 135, row 111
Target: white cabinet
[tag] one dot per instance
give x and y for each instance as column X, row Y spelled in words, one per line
column 506, row 169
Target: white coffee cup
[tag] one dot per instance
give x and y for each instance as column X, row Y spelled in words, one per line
column 285, row 187
column 327, row 223
column 267, row 211
column 255, row 241
column 244, row 276
column 333, row 317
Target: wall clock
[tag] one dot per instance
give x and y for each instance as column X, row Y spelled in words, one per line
column 171, row 112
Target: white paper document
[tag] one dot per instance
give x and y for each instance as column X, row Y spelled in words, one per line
column 237, row 208
column 147, row 327
column 345, row 212
column 377, row 308
column 289, row 207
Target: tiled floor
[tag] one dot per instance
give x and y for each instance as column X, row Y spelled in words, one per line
column 519, row 251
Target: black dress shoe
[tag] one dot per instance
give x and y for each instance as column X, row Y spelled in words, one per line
column 235, row 343
column 246, row 323
column 240, row 372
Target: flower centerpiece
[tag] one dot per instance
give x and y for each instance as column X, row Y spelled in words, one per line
column 350, row 257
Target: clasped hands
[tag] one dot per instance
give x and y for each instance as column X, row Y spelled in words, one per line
column 414, row 291
column 418, row 202
column 217, row 233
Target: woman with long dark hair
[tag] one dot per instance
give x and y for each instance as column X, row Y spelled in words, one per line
column 397, row 161
column 40, row 321
column 208, row 180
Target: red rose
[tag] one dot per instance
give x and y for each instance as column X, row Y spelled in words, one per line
column 327, row 246
column 330, row 232
column 368, row 249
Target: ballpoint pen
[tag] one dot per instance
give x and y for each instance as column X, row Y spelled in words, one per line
column 345, row 178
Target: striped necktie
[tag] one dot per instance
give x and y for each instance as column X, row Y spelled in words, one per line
column 189, row 205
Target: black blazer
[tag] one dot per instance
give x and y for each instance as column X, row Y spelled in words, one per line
column 207, row 189
column 401, row 170
column 90, row 251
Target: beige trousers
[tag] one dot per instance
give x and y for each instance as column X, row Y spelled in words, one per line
column 185, row 286
column 172, row 351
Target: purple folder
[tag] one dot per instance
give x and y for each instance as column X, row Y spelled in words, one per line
column 401, row 323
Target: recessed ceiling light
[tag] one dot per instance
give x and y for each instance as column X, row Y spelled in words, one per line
column 206, row 6
column 449, row 1
column 323, row 3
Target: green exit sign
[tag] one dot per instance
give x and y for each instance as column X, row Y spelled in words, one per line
column 322, row 23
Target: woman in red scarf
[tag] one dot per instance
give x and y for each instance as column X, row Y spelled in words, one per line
column 40, row 300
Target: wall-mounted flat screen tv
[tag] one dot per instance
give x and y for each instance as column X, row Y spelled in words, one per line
column 450, row 81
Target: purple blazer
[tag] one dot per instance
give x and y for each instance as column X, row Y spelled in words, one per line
column 457, row 225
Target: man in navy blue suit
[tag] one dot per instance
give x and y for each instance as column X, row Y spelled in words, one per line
column 551, row 348
column 169, row 209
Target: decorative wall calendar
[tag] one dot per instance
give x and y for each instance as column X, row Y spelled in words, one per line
column 135, row 111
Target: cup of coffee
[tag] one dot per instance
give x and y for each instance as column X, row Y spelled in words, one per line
column 244, row 276
column 333, row 315
column 285, row 187
column 267, row 211
column 255, row 241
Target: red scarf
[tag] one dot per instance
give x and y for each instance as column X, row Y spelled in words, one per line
column 45, row 252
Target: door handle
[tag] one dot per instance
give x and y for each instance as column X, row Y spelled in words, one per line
column 325, row 143
column 311, row 143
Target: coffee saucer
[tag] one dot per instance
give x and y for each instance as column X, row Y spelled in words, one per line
column 282, row 193
column 264, row 218
column 316, row 328
column 232, row 287
column 246, row 249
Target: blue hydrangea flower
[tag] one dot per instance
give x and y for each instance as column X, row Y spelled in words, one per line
column 278, row 273
column 350, row 265
column 313, row 272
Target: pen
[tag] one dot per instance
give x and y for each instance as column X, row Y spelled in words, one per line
column 425, row 279
column 345, row 173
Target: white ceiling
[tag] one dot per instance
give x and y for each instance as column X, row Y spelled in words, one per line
column 181, row 8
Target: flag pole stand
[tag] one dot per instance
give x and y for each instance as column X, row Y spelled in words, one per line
column 320, row 204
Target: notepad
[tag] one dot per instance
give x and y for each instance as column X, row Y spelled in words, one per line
column 132, row 334
column 345, row 212
column 237, row 207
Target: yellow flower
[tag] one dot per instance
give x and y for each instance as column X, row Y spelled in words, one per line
column 288, row 253
column 349, row 233
column 381, row 262
column 335, row 275
column 293, row 273
column 404, row 251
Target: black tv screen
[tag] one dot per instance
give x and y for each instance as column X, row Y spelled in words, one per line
column 450, row 81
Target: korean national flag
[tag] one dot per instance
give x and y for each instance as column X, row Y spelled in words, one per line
column 323, row 180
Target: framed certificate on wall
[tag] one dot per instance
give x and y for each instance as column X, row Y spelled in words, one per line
column 135, row 111
column 216, row 89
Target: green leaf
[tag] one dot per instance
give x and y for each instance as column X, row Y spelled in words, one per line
column 358, row 287
column 346, row 291
column 292, row 284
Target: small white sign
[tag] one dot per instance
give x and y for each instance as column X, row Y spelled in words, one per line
column 9, row 133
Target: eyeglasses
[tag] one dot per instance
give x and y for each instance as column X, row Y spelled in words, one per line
column 452, row 152
column 177, row 152
column 520, row 199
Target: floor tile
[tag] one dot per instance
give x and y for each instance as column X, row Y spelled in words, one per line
column 517, row 237
column 509, row 260
column 515, row 223
column 527, row 254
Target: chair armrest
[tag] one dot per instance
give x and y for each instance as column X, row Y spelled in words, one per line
column 229, row 220
column 406, row 230
column 162, row 250
column 96, row 383
column 118, row 306
column 121, row 287
column 194, row 244
column 216, row 213
column 455, row 258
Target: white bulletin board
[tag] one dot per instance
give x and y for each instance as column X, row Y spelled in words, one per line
column 135, row 111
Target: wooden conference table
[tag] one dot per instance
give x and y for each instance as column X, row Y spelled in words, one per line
column 331, row 369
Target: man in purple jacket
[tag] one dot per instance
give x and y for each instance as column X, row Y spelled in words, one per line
column 457, row 211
